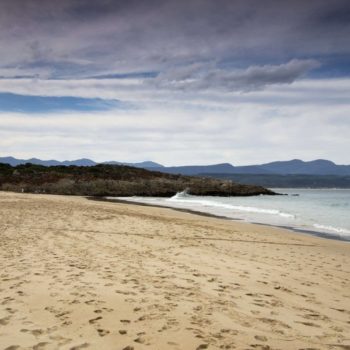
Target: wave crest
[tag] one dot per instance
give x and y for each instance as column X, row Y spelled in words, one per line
column 339, row 230
column 184, row 197
column 180, row 195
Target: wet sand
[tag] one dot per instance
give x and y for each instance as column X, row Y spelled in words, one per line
column 80, row 274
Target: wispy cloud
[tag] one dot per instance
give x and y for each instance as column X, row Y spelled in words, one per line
column 241, row 132
column 234, row 80
column 251, row 78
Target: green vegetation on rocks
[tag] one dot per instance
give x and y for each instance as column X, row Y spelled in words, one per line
column 114, row 180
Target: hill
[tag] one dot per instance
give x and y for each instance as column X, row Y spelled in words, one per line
column 224, row 168
column 114, row 180
column 294, row 166
column 79, row 162
column 291, row 167
column 287, row 181
column 297, row 166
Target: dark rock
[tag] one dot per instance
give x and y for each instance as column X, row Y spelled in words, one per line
column 115, row 181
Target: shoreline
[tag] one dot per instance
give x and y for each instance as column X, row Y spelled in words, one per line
column 318, row 234
column 85, row 274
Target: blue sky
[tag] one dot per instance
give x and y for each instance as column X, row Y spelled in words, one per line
column 46, row 104
column 185, row 82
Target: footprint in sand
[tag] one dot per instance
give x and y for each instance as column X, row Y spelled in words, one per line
column 40, row 346
column 202, row 346
column 81, row 346
column 4, row 321
column 94, row 320
column 141, row 340
column 310, row 324
column 260, row 337
column 102, row 332
column 260, row 346
column 125, row 321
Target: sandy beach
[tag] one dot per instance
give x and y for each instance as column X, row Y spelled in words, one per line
column 80, row 274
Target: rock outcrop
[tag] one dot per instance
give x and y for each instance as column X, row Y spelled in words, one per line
column 115, row 180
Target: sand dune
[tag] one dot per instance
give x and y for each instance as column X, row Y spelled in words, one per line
column 78, row 274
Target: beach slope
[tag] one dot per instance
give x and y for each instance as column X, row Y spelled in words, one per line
column 80, row 274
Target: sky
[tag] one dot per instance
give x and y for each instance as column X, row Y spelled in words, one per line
column 175, row 82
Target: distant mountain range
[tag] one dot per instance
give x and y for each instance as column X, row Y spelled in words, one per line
column 79, row 162
column 291, row 167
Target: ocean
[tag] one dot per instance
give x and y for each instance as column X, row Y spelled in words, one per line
column 322, row 212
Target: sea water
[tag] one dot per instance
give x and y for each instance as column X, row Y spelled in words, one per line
column 323, row 212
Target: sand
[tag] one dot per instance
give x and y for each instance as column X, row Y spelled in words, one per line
column 80, row 274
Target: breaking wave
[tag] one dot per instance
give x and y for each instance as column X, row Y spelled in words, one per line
column 338, row 230
column 320, row 212
column 184, row 197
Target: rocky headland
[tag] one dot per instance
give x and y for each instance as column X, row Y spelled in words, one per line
column 115, row 180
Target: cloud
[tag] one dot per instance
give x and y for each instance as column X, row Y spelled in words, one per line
column 212, row 81
column 77, row 38
column 141, row 95
column 200, row 82
column 242, row 134
column 252, row 78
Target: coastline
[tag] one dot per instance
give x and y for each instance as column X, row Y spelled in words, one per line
column 79, row 274
column 314, row 233
column 142, row 204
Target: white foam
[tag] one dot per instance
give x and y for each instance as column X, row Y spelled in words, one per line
column 180, row 195
column 184, row 197
column 338, row 230
column 315, row 211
